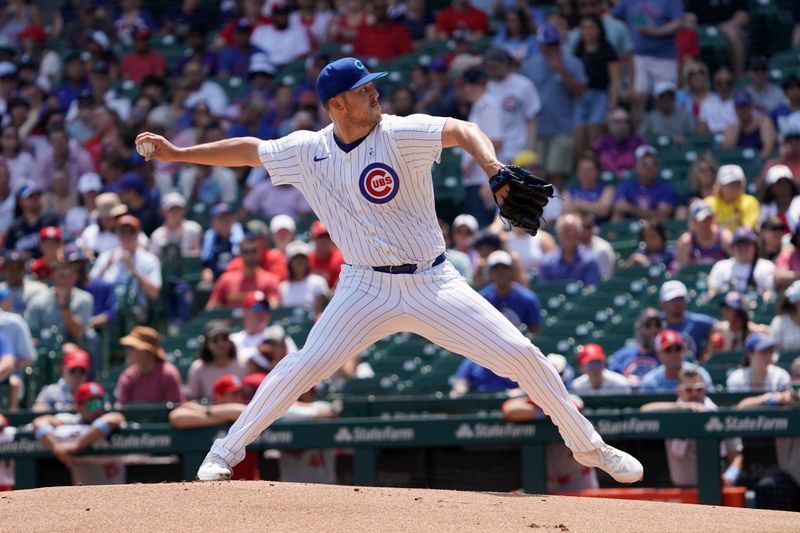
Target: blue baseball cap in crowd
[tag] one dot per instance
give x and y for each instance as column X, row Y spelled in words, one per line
column 74, row 254
column 734, row 300
column 741, row 98
column 548, row 34
column 221, row 209
column 744, row 234
column 755, row 342
column 13, row 256
column 131, row 181
column 29, row 189
column 256, row 301
column 343, row 75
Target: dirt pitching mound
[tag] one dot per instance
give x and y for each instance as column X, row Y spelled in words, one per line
column 268, row 506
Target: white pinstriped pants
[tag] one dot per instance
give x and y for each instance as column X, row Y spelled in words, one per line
column 437, row 304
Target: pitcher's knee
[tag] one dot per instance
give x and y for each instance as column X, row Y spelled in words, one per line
column 521, row 356
column 314, row 364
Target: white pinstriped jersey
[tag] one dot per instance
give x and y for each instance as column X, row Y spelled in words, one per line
column 376, row 200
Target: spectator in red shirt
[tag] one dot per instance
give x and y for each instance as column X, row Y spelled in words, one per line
column 52, row 248
column 352, row 18
column 326, row 259
column 251, row 13
column 383, row 39
column 461, row 16
column 149, row 378
column 143, row 61
column 232, row 286
column 272, row 260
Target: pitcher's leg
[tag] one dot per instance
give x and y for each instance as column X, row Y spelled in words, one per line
column 352, row 321
column 453, row 315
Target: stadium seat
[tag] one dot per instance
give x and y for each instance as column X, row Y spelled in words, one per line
column 770, row 27
column 731, row 359
column 713, row 47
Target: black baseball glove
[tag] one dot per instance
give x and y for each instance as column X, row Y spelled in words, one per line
column 526, row 199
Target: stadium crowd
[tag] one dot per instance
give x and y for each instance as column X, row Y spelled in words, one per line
column 105, row 254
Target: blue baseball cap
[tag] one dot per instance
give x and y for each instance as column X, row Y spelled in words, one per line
column 734, row 300
column 29, row 189
column 221, row 209
column 131, row 181
column 741, row 98
column 343, row 75
column 548, row 34
column 755, row 342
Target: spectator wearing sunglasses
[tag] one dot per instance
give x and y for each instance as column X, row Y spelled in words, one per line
column 682, row 453
column 130, row 266
column 233, row 286
column 217, row 358
column 64, row 307
column 717, row 111
column 734, row 327
column 149, row 377
column 60, row 396
column 646, row 195
column 766, row 96
column 770, row 239
column 671, row 351
column 66, row 434
column 596, row 378
column 694, row 87
column 638, row 357
column 759, row 372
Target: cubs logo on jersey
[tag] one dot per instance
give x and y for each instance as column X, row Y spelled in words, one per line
column 378, row 183
column 511, row 104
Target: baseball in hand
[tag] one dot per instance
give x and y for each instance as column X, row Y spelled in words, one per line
column 145, row 149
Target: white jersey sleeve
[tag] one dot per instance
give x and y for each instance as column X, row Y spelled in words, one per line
column 281, row 157
column 419, row 139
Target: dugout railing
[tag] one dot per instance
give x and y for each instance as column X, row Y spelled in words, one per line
column 368, row 435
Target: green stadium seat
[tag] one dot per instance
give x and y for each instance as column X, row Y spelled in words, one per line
column 712, row 47
column 699, row 142
column 379, row 385
column 620, row 231
column 746, row 158
column 235, row 87
column 719, row 374
column 431, row 382
column 334, row 50
column 770, row 27
column 730, row 359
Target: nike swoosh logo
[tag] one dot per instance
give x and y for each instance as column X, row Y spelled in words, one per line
column 318, row 159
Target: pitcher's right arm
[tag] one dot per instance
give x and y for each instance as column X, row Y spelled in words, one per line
column 235, row 152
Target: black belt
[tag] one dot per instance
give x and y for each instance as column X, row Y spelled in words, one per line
column 407, row 268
